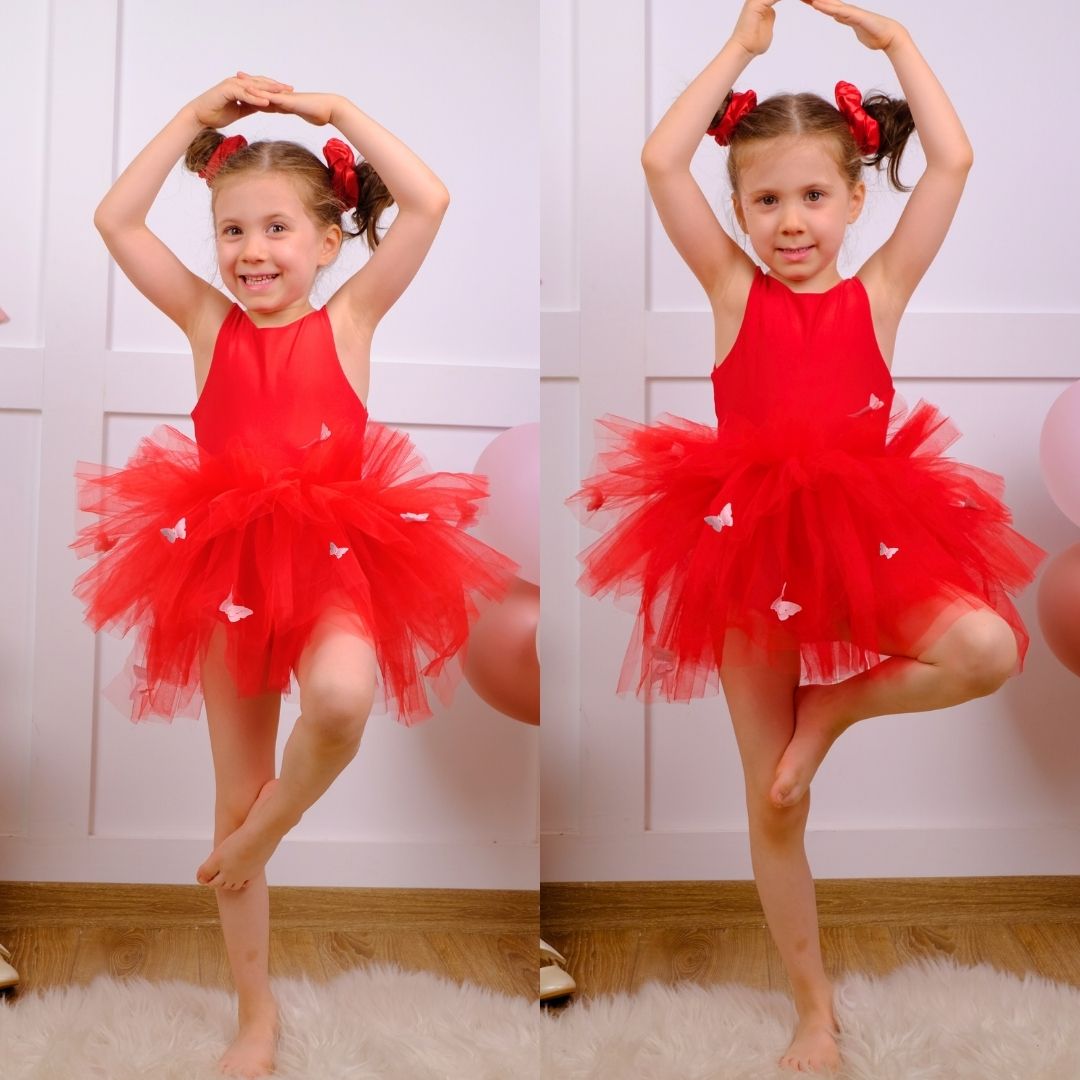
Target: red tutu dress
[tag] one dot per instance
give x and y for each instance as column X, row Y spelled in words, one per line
column 808, row 518
column 288, row 503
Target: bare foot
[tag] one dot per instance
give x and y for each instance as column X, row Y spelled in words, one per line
column 252, row 1052
column 813, row 1047
column 816, row 729
column 243, row 853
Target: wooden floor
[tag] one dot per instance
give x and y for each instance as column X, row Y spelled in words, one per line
column 612, row 961
column 59, row 955
column 616, row 938
column 68, row 933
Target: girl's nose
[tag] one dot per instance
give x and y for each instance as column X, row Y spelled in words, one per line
column 254, row 248
column 791, row 221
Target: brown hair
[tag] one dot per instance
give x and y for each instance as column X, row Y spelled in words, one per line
column 808, row 114
column 312, row 174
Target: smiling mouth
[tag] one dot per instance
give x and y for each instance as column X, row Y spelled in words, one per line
column 796, row 250
column 257, row 279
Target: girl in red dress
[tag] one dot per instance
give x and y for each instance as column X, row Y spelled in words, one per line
column 814, row 553
column 293, row 535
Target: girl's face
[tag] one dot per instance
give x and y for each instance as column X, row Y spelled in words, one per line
column 794, row 204
column 269, row 248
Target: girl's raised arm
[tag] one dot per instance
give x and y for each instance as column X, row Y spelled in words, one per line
column 687, row 217
column 897, row 267
column 121, row 216
column 421, row 199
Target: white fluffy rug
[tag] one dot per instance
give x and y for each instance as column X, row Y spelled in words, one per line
column 368, row 1024
column 933, row 1021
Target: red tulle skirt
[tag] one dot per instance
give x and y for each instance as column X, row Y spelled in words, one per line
column 811, row 544
column 262, row 542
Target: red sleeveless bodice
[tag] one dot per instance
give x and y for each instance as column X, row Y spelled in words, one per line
column 275, row 385
column 806, row 355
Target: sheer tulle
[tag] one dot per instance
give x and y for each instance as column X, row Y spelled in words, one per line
column 264, row 540
column 804, row 513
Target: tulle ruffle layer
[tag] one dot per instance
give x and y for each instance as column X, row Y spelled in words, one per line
column 263, row 541
column 830, row 546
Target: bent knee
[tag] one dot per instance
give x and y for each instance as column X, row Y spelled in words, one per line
column 982, row 652
column 337, row 709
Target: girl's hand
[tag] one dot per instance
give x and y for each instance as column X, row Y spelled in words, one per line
column 874, row 31
column 234, row 98
column 317, row 109
column 754, row 29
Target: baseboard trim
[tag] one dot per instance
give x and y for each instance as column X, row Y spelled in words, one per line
column 52, row 903
column 570, row 906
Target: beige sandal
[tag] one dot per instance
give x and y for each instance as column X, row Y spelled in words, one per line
column 8, row 975
column 554, row 982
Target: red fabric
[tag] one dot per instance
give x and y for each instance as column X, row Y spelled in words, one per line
column 222, row 152
column 808, row 482
column 342, row 165
column 286, row 465
column 742, row 101
column 864, row 128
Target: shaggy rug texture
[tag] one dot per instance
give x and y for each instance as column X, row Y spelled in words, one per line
column 932, row 1021
column 368, row 1024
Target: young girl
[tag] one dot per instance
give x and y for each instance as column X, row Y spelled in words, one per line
column 813, row 552
column 292, row 535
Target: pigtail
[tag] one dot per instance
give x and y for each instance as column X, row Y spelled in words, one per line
column 373, row 200
column 201, row 149
column 895, row 126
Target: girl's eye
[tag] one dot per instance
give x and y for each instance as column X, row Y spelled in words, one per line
column 276, row 227
column 815, row 196
column 230, row 230
column 767, row 200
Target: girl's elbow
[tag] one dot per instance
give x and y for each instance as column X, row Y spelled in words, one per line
column 104, row 221
column 651, row 159
column 963, row 157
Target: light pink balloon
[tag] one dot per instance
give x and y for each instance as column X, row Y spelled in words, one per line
column 1059, row 452
column 501, row 664
column 510, row 521
column 1059, row 607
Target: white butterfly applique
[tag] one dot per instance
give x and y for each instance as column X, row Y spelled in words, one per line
column 177, row 532
column 719, row 521
column 875, row 404
column 235, row 612
column 336, row 551
column 784, row 608
column 408, row 516
column 887, row 551
column 324, row 434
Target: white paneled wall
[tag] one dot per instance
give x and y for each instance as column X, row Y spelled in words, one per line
column 87, row 367
column 631, row 792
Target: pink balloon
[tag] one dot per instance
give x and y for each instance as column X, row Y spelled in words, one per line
column 1059, row 607
column 1059, row 452
column 510, row 521
column 501, row 664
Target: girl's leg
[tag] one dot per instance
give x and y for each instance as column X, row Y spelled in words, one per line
column 760, row 699
column 336, row 673
column 243, row 736
column 972, row 658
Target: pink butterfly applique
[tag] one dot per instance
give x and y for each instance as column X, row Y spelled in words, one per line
column 234, row 612
column 784, row 608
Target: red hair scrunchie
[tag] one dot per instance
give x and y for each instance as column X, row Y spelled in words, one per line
column 740, row 104
column 342, row 166
column 222, row 152
column 864, row 128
